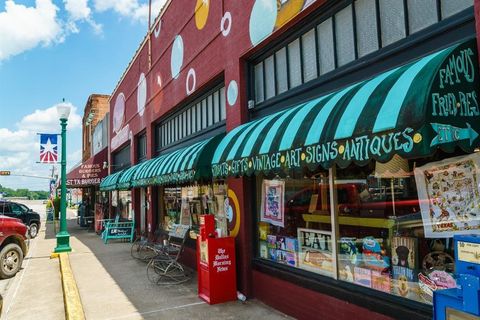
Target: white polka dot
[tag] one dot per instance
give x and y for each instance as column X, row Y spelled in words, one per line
column 226, row 24
column 141, row 94
column 191, row 78
column 232, row 92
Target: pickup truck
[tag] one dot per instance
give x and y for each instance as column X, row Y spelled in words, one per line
column 13, row 245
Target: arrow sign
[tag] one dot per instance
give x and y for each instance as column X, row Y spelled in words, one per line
column 447, row 133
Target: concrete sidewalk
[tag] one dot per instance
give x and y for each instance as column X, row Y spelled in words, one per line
column 36, row 291
column 113, row 285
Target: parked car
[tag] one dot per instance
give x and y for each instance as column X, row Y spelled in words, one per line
column 13, row 245
column 22, row 212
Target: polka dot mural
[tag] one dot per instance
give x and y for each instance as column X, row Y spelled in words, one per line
column 201, row 13
column 287, row 10
column 262, row 20
column 118, row 112
column 232, row 92
column 191, row 81
column 226, row 24
column 157, row 101
column 141, row 94
column 176, row 61
column 156, row 31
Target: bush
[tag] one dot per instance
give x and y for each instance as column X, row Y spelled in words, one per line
column 56, row 207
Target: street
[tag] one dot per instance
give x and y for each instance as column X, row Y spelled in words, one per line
column 111, row 284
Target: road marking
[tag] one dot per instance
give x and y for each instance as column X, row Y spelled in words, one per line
column 136, row 314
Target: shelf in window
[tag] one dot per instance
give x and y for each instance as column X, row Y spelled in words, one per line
column 352, row 221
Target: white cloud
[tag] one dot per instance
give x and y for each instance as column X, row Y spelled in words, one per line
column 43, row 120
column 19, row 150
column 134, row 9
column 23, row 28
column 79, row 11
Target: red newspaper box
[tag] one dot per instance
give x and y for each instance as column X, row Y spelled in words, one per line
column 216, row 267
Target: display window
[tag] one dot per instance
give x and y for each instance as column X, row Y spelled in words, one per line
column 124, row 205
column 184, row 205
column 393, row 223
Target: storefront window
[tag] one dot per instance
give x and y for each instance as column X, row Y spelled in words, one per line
column 184, row 205
column 124, row 206
column 395, row 222
column 286, row 231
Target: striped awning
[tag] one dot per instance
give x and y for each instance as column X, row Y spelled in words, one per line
column 124, row 182
column 411, row 111
column 184, row 165
column 110, row 181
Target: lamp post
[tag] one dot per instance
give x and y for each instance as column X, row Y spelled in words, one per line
column 63, row 238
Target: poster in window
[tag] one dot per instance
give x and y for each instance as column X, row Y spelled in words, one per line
column 404, row 252
column 272, row 211
column 362, row 276
column 405, row 283
column 449, row 196
column 315, row 250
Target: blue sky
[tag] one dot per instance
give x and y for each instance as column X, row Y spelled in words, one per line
column 54, row 49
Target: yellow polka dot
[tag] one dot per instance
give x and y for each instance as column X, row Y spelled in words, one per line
column 341, row 149
column 201, row 13
column 303, row 156
column 282, row 159
column 417, row 138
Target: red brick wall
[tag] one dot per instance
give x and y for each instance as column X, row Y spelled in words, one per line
column 306, row 304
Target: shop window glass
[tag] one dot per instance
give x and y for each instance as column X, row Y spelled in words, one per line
column 199, row 116
column 210, row 110
column 421, row 14
column 288, row 231
column 281, row 70
column 294, row 63
column 326, row 52
column 184, row 205
column 184, row 116
column 366, row 23
column 189, row 122
column 269, row 77
column 259, row 96
column 216, row 108
column 223, row 112
column 124, row 205
column 344, row 36
column 451, row 7
column 392, row 18
column 309, row 56
column 194, row 119
column 382, row 243
column 204, row 114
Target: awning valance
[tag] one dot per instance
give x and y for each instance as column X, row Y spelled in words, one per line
column 411, row 111
column 125, row 180
column 110, row 182
column 185, row 165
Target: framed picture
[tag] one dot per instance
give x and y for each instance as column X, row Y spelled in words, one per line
column 449, row 196
column 315, row 250
column 273, row 194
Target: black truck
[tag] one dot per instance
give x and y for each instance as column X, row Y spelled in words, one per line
column 20, row 211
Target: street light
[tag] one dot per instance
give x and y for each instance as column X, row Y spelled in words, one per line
column 63, row 238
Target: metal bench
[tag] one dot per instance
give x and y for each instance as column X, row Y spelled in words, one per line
column 118, row 230
column 165, row 267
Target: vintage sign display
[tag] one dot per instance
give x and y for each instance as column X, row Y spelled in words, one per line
column 315, row 250
column 449, row 196
column 91, row 172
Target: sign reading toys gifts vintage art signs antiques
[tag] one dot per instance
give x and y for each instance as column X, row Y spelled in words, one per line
column 449, row 196
column 432, row 104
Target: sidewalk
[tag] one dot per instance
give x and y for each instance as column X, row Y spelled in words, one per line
column 36, row 291
column 113, row 285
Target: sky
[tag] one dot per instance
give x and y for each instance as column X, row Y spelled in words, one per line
column 55, row 49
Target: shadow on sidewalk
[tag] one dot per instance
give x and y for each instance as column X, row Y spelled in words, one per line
column 150, row 300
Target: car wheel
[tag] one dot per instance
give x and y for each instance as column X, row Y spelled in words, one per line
column 11, row 258
column 33, row 230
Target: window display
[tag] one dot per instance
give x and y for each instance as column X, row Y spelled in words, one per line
column 390, row 237
column 184, row 205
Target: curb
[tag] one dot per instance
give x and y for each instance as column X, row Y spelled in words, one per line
column 71, row 296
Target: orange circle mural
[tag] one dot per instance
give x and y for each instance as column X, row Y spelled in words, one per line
column 287, row 10
column 201, row 13
column 232, row 211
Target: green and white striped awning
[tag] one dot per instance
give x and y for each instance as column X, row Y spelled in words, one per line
column 110, row 181
column 125, row 181
column 411, row 111
column 185, row 165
